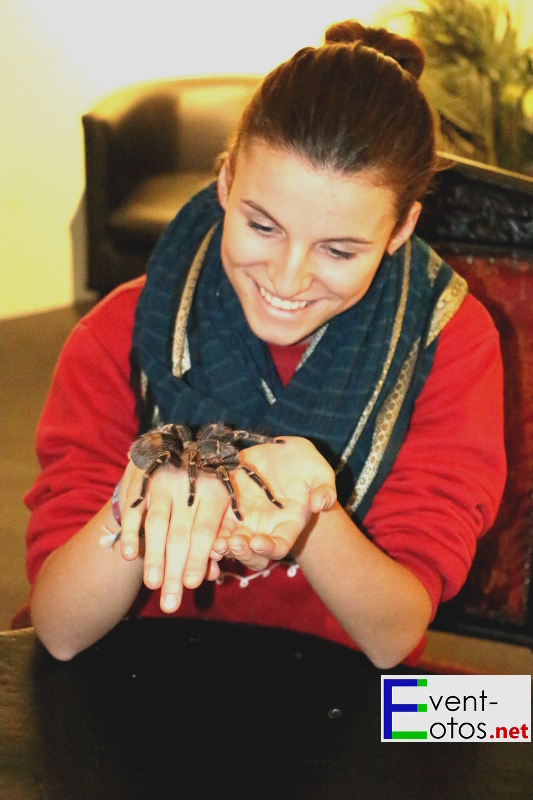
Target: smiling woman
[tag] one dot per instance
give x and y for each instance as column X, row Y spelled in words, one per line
column 289, row 298
column 293, row 261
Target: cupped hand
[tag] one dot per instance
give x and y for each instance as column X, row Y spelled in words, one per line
column 298, row 477
column 178, row 537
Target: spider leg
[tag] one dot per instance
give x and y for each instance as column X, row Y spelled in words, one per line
column 250, row 437
column 223, row 474
column 222, row 433
column 260, row 482
column 214, row 431
column 192, row 476
column 181, row 432
column 148, row 474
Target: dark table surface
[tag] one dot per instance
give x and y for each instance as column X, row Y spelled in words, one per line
column 172, row 709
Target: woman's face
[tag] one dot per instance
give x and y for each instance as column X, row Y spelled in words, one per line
column 300, row 245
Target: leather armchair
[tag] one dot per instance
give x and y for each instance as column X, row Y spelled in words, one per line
column 148, row 149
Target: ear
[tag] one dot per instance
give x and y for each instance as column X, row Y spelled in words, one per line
column 225, row 179
column 403, row 233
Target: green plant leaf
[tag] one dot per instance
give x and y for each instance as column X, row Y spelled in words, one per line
column 477, row 76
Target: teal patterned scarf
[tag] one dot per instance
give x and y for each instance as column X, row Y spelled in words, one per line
column 195, row 359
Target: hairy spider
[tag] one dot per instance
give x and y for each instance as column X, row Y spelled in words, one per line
column 216, row 450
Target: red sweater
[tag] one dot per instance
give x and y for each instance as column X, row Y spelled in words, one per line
column 440, row 497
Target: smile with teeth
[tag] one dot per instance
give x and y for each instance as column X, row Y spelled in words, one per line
column 284, row 305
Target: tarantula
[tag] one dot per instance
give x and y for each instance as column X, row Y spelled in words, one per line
column 215, row 451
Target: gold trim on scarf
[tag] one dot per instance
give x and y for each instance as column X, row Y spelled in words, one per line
column 396, row 329
column 447, row 304
column 434, row 264
column 179, row 342
column 311, row 347
column 386, row 419
column 269, row 394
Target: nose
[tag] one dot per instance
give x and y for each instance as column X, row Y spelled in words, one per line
column 291, row 274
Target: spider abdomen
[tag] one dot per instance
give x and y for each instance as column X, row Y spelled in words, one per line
column 153, row 446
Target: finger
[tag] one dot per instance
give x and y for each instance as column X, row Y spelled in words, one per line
column 238, row 542
column 322, row 498
column 263, row 545
column 220, row 548
column 280, row 541
column 213, row 570
column 177, row 549
column 257, row 563
column 229, row 524
column 203, row 535
column 132, row 518
column 240, row 549
column 156, row 527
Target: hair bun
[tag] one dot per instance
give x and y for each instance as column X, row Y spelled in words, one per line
column 408, row 55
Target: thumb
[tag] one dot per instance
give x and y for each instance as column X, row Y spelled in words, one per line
column 322, row 498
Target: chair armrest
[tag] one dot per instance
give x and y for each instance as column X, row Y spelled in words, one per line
column 478, row 209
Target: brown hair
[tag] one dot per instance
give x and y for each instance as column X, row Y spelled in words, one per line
column 353, row 104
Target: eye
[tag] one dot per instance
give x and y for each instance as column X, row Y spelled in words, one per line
column 341, row 255
column 256, row 226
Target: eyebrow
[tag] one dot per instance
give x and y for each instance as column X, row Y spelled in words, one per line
column 262, row 211
column 347, row 240
column 337, row 239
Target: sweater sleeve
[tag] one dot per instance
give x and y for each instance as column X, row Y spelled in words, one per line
column 447, row 482
column 86, row 428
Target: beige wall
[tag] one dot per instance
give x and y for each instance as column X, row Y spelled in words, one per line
column 57, row 59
